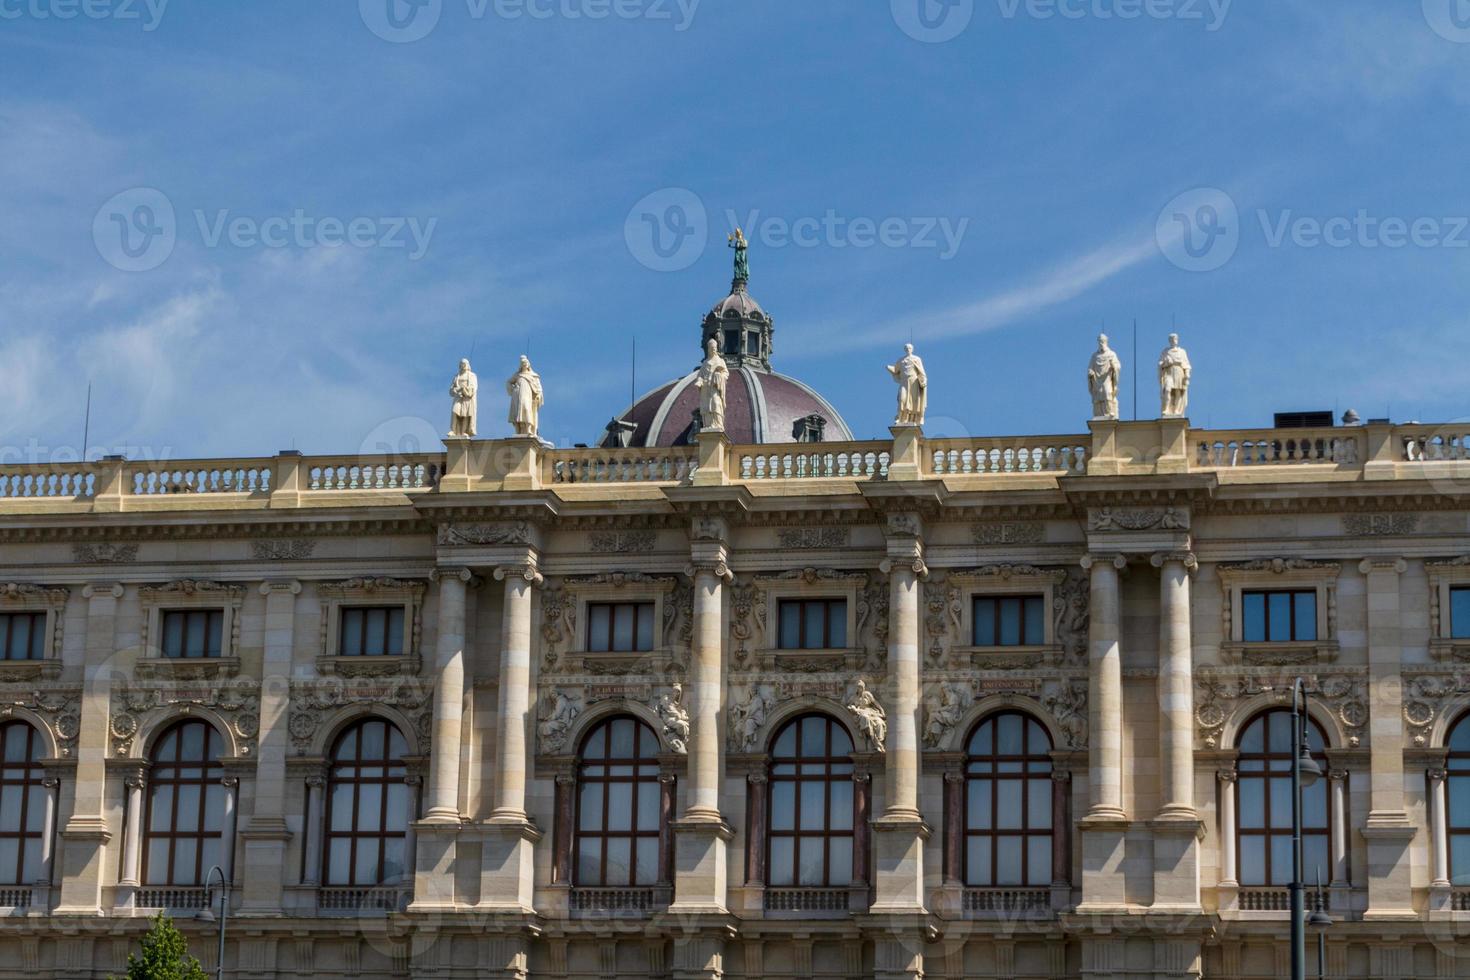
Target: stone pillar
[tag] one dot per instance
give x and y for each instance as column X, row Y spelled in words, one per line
column 1388, row 829
column 1229, row 875
column 561, row 831
column 1103, row 830
column 51, row 787
column 266, row 833
column 315, row 827
column 448, row 698
column 1061, row 839
column 1340, row 827
column 231, row 825
column 954, row 827
column 701, row 834
column 1177, row 826
column 135, row 783
column 1439, row 844
column 507, row 869
column 900, row 833
column 756, row 787
column 86, row 833
column 415, row 784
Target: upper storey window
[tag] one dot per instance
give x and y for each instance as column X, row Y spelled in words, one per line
column 1279, row 616
column 1009, row 621
column 371, row 631
column 619, row 627
column 22, row 636
column 1460, row 613
column 813, row 624
column 193, row 632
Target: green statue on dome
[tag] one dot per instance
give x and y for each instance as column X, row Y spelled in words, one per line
column 742, row 262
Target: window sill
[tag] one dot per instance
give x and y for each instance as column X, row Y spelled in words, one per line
column 26, row 670
column 812, row 661
column 1445, row 648
column 1012, row 657
column 1280, row 654
column 386, row 666
column 187, row 668
column 617, row 664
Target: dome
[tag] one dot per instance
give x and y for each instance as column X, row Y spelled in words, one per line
column 761, row 404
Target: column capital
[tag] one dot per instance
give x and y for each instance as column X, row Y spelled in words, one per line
column 1435, row 775
column 136, row 776
column 1119, row 562
column 316, row 780
column 94, row 590
column 464, row 574
column 525, row 569
column 1396, row 565
column 1226, row 775
column 282, row 586
column 717, row 567
column 916, row 565
column 1187, row 558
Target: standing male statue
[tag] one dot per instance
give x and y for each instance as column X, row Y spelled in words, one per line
column 711, row 380
column 526, row 398
column 742, row 257
column 464, row 389
column 1174, row 371
column 913, row 388
column 1103, row 374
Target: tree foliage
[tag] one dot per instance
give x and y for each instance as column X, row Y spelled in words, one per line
column 164, row 955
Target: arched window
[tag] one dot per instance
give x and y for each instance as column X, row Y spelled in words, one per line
column 1264, row 807
column 1457, row 774
column 22, row 804
column 184, row 829
column 367, row 805
column 810, row 836
column 618, row 804
column 1008, row 803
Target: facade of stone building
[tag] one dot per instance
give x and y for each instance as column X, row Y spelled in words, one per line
column 987, row 707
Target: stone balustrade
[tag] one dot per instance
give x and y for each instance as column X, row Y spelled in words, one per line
column 1061, row 455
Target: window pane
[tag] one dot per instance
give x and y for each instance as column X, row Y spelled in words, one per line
column 351, row 632
column 813, row 809
column 393, row 859
column 599, row 626
column 1315, row 858
column 622, row 733
column 837, row 624
column 36, row 813
column 1035, row 621
column 1460, row 859
column 398, row 803
column 1008, row 735
column 977, row 861
column 646, row 861
column 339, row 861
column 839, row 867
column 589, row 861
column 812, row 864
column 365, row 868
column 214, row 808
column 1459, row 800
column 648, row 805
column 1038, row 794
column 1280, row 859
column 1280, row 803
column 645, row 626
column 1252, row 794
column 619, row 806
column 590, row 807
column 783, row 806
column 790, row 625
column 1010, row 622
column 341, row 807
column 31, row 871
column 1314, row 804
column 1460, row 613
column 1306, row 616
column 1253, row 616
column 1008, row 803
column 813, row 635
column 814, row 736
column 841, row 806
column 780, row 870
column 984, row 622
column 619, row 860
column 10, row 871
column 20, row 638
column 1278, row 616
column 173, row 634
column 186, row 863
column 1279, row 732
column 194, row 634
column 1038, row 858
column 10, row 799
column 983, row 741
column 157, row 861
column 370, row 807
column 1008, row 860
column 1252, row 860
column 978, row 816
column 623, row 626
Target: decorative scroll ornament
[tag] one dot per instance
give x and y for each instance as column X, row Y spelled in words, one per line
column 559, row 711
column 1137, row 519
column 558, row 622
column 942, row 611
column 1379, row 525
column 1425, row 698
column 675, row 719
column 104, row 554
column 747, row 623
column 871, row 719
column 1071, row 604
column 872, row 620
column 296, row 549
column 314, row 702
column 813, row 538
column 1067, row 702
column 236, row 700
column 1217, row 698
column 621, row 542
column 1008, row 532
column 514, row 533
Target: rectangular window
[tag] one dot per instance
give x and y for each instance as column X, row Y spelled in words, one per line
column 1460, row 613
column 619, row 627
column 1009, row 621
column 813, row 624
column 22, row 636
column 192, row 632
column 371, row 631
column 1279, row 617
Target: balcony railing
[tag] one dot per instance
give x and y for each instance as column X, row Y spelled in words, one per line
column 813, row 461
column 808, row 899
column 1279, row 900
column 562, row 467
column 15, row 897
column 1007, row 900
column 619, row 901
column 374, row 899
column 1460, row 900
column 1060, row 455
column 1277, row 447
column 173, row 897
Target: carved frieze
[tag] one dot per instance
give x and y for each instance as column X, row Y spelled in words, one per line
column 59, row 707
column 1107, row 519
column 501, row 534
column 621, row 542
column 1379, row 525
column 813, row 538
column 313, row 703
column 294, row 549
column 104, row 554
column 1217, row 697
column 237, row 701
column 1426, row 696
column 1008, row 532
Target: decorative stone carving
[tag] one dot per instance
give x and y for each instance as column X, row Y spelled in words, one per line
column 868, row 714
column 464, row 389
column 711, row 379
column 812, row 538
column 409, row 592
column 942, row 612
column 526, row 399
column 621, row 542
column 1067, row 702
column 1104, row 372
column 314, row 702
column 1217, row 697
column 1071, row 604
column 1174, row 377
column 559, row 711
column 913, row 387
column 1137, row 519
column 943, row 712
column 747, row 622
column 59, row 707
column 748, row 716
column 295, row 549
column 104, row 554
column 1008, row 532
column 1379, row 525
column 1426, row 697
column 514, row 533
column 1280, row 566
column 872, row 620
column 237, row 701
column 676, row 720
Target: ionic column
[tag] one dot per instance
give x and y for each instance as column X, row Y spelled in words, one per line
column 561, row 832
column 1105, row 706
column 231, row 815
column 1439, row 844
column 515, row 691
column 704, row 689
column 1228, row 873
column 1176, row 688
column 1339, row 784
column 954, row 830
column 51, row 786
column 415, row 784
column 1061, row 828
column 136, row 782
column 315, row 828
column 448, row 698
column 862, row 810
column 756, row 785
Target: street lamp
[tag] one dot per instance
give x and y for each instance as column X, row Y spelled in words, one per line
column 1304, row 772
column 205, row 915
column 1320, row 921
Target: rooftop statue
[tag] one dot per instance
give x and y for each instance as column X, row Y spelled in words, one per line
column 711, row 380
column 742, row 260
column 464, row 390
column 1174, row 372
column 1103, row 374
column 526, row 398
column 913, row 387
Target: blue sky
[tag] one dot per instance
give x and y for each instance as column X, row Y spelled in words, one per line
column 495, row 172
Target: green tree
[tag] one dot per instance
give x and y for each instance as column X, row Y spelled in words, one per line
column 164, row 956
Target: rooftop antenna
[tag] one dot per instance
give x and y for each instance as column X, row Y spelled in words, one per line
column 87, row 423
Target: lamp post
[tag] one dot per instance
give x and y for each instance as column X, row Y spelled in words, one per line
column 1320, row 921
column 1304, row 772
column 224, row 915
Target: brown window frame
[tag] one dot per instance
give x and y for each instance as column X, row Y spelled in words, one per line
column 835, row 769
column 1457, row 767
column 36, row 641
column 388, row 632
column 645, row 771
column 214, row 633
column 1265, row 775
column 1030, row 771
column 804, row 604
column 392, row 771
column 998, row 600
column 164, row 773
column 1266, row 614
column 612, row 611
column 32, row 789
